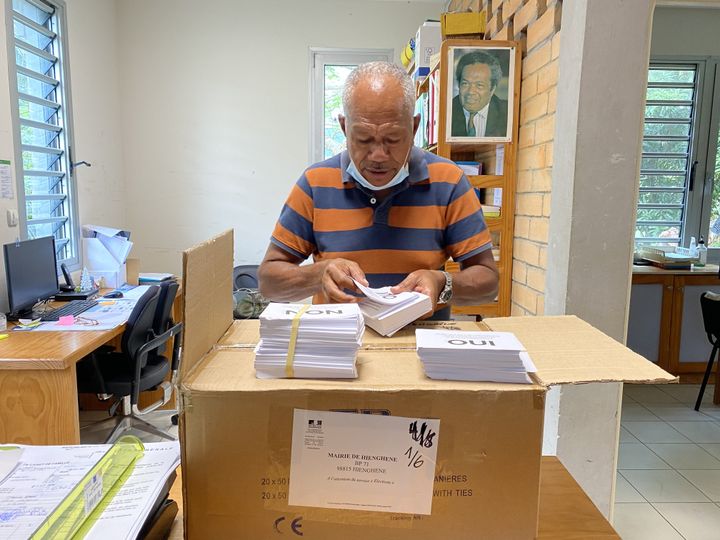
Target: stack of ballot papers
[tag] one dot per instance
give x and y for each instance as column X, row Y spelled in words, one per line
column 324, row 346
column 473, row 356
column 386, row 313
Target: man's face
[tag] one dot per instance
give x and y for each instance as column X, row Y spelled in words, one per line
column 379, row 130
column 475, row 87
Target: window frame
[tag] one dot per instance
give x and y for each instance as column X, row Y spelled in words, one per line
column 319, row 57
column 696, row 207
column 74, row 263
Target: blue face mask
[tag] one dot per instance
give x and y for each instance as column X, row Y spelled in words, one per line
column 401, row 175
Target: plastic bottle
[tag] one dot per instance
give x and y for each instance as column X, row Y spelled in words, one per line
column 693, row 247
column 702, row 252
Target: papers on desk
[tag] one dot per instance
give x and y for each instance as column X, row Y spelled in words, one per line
column 323, row 345
column 130, row 505
column 473, row 356
column 386, row 313
column 108, row 314
column 44, row 476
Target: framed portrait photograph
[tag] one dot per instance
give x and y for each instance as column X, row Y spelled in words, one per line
column 480, row 94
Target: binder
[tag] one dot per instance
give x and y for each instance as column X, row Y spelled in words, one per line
column 87, row 491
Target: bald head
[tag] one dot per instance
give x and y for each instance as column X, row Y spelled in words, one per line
column 379, row 101
column 380, row 82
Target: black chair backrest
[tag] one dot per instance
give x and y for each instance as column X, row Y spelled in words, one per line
column 168, row 291
column 710, row 305
column 140, row 322
column 245, row 276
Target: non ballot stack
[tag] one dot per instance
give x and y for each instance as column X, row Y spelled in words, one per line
column 473, row 356
column 309, row 341
column 386, row 313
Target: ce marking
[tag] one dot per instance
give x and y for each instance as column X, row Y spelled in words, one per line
column 295, row 525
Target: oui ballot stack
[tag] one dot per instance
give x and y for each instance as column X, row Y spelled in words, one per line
column 473, row 356
column 309, row 341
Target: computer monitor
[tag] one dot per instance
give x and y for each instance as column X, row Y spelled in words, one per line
column 31, row 272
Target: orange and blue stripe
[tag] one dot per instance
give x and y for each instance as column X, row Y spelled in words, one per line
column 432, row 216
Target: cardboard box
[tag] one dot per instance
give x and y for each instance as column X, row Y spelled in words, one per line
column 237, row 440
column 236, row 430
column 105, row 250
column 245, row 334
column 457, row 24
column 106, row 279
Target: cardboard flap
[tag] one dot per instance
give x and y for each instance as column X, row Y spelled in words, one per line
column 208, row 300
column 567, row 350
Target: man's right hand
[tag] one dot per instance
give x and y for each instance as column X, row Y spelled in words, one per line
column 337, row 276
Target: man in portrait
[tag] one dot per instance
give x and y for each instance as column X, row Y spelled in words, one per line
column 476, row 110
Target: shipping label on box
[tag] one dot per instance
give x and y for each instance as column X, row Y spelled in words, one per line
column 363, row 462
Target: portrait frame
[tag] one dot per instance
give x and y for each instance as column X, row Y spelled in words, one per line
column 490, row 107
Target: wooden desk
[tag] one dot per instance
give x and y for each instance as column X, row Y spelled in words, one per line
column 665, row 321
column 566, row 512
column 38, row 389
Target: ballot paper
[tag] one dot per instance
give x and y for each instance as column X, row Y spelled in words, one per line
column 386, row 313
column 324, row 345
column 473, row 356
column 45, row 475
column 363, row 461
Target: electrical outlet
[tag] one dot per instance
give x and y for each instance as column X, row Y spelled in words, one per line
column 12, row 218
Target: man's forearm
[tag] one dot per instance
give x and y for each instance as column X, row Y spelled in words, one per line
column 282, row 281
column 474, row 285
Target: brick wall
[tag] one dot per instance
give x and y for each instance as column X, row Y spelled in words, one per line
column 536, row 25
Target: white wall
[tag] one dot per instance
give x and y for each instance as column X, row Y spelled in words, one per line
column 95, row 80
column 215, row 107
column 685, row 31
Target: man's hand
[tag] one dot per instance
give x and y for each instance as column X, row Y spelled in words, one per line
column 337, row 275
column 430, row 282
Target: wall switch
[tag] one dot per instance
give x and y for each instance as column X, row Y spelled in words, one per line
column 12, row 218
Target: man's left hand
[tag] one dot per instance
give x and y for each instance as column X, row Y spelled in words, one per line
column 429, row 282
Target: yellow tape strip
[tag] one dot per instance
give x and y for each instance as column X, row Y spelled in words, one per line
column 289, row 370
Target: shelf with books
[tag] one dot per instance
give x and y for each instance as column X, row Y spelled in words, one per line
column 494, row 154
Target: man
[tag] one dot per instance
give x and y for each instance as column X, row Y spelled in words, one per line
column 383, row 212
column 476, row 110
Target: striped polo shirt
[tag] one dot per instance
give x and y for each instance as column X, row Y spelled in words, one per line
column 431, row 216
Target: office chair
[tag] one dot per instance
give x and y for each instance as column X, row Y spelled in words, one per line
column 710, row 306
column 245, row 277
column 139, row 365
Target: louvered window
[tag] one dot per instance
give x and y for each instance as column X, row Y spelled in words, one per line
column 666, row 168
column 46, row 192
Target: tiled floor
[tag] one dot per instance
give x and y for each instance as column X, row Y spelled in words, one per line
column 93, row 430
column 668, row 484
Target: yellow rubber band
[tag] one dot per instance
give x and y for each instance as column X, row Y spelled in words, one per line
column 289, row 370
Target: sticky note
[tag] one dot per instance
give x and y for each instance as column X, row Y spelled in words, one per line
column 67, row 320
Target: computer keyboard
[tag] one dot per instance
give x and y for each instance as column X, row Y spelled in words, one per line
column 75, row 307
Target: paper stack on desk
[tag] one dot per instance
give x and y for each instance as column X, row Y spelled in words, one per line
column 309, row 341
column 386, row 313
column 473, row 356
column 54, row 492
